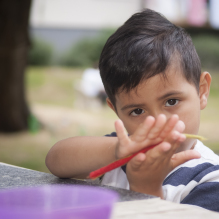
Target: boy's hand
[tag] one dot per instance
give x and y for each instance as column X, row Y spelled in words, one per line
column 150, row 132
column 146, row 172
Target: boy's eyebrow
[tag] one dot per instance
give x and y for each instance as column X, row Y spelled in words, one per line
column 169, row 94
column 133, row 106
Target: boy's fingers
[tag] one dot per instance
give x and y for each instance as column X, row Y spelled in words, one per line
column 136, row 162
column 158, row 127
column 175, row 138
column 121, row 133
column 143, row 130
column 158, row 152
column 184, row 156
column 171, row 123
column 180, row 126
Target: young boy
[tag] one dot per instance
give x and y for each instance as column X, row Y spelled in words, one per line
column 152, row 76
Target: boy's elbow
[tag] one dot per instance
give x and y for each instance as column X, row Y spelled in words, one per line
column 51, row 164
column 54, row 164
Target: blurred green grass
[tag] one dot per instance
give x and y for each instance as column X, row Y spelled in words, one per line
column 52, row 85
column 51, row 98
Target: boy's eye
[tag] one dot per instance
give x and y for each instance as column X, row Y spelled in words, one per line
column 137, row 112
column 171, row 102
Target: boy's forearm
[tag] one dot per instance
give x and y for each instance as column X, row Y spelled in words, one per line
column 76, row 157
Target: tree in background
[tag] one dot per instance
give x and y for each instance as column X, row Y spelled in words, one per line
column 14, row 46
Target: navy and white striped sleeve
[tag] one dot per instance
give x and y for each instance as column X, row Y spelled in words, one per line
column 198, row 185
column 206, row 193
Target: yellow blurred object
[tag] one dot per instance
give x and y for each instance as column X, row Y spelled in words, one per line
column 195, row 136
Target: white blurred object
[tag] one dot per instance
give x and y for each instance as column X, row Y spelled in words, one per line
column 87, row 14
column 91, row 83
column 214, row 13
column 169, row 8
column 90, row 92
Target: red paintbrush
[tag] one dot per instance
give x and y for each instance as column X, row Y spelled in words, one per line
column 97, row 173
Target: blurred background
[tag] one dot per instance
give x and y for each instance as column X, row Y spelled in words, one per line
column 49, row 50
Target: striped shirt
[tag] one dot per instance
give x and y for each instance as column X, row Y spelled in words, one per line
column 195, row 182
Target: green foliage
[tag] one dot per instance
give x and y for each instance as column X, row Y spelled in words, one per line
column 33, row 124
column 40, row 53
column 207, row 47
column 87, row 51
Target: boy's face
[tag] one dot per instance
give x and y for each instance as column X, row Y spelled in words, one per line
column 156, row 95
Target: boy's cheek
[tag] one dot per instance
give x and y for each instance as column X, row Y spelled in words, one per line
column 191, row 118
column 192, row 125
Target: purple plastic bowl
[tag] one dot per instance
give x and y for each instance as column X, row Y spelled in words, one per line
column 57, row 202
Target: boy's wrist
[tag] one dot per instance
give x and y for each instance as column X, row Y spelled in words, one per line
column 116, row 150
column 116, row 154
column 149, row 191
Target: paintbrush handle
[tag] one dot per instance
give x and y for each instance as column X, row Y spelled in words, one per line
column 97, row 173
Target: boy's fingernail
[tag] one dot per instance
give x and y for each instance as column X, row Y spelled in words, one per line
column 175, row 135
column 182, row 138
column 166, row 147
column 163, row 116
column 196, row 153
column 180, row 126
column 175, row 115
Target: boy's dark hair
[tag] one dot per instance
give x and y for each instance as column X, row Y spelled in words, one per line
column 144, row 46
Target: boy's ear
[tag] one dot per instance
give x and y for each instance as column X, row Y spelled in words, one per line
column 109, row 103
column 204, row 89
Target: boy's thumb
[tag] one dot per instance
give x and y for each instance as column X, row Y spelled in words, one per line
column 184, row 156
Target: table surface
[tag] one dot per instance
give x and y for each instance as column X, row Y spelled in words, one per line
column 13, row 177
column 159, row 209
column 131, row 204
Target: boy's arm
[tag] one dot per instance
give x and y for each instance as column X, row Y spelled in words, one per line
column 76, row 157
